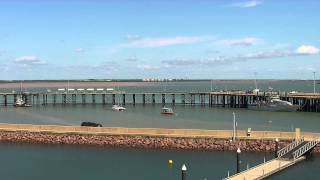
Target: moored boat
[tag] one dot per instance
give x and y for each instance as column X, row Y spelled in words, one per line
column 21, row 103
column 167, row 111
column 118, row 108
column 274, row 104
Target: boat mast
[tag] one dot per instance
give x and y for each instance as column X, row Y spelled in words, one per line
column 255, row 80
column 20, row 87
column 314, row 83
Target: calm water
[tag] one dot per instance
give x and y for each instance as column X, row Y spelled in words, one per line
column 149, row 116
column 51, row 162
column 22, row 161
column 185, row 86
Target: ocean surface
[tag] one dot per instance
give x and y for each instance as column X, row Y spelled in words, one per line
column 25, row 161
column 66, row 162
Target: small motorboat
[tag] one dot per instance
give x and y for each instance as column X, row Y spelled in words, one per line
column 167, row 111
column 118, row 108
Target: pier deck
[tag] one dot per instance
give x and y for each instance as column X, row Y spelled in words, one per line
column 264, row 170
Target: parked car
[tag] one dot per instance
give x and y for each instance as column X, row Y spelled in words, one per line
column 91, row 124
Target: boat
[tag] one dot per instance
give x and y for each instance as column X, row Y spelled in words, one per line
column 167, row 111
column 118, row 108
column 274, row 104
column 21, row 103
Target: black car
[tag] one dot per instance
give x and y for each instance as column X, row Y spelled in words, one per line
column 91, row 124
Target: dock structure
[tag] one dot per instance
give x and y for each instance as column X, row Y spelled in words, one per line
column 309, row 102
column 286, row 157
column 264, row 170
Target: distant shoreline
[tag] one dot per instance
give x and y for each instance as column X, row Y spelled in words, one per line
column 114, row 83
column 160, row 80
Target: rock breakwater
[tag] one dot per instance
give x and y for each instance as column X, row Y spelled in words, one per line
column 142, row 142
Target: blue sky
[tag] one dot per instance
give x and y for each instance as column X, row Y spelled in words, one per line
column 83, row 39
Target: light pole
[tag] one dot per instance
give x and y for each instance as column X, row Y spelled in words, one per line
column 314, row 83
column 234, row 127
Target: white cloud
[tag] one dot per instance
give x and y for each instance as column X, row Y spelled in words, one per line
column 260, row 55
column 307, row 49
column 29, row 60
column 79, row 50
column 247, row 4
column 148, row 67
column 248, row 41
column 161, row 42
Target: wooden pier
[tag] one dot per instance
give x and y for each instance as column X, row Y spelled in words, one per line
column 308, row 102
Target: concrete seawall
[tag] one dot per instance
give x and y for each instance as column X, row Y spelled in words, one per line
column 188, row 139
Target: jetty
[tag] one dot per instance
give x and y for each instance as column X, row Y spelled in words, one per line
column 286, row 157
column 308, row 102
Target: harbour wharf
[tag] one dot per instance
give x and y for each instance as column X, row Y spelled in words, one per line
column 301, row 144
column 308, row 102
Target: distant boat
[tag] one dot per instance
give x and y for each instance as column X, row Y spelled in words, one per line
column 274, row 104
column 21, row 103
column 167, row 111
column 118, row 108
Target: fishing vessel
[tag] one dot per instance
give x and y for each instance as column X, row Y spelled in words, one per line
column 167, row 111
column 274, row 104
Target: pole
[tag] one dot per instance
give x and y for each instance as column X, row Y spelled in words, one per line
column 234, row 127
column 184, row 172
column 211, row 85
column 314, row 83
column 255, row 80
column 238, row 160
column 276, row 148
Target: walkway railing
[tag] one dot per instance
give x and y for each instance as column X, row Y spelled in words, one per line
column 305, row 148
column 289, row 147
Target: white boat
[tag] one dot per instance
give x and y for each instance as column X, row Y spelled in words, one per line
column 21, row 103
column 274, row 104
column 167, row 111
column 118, row 108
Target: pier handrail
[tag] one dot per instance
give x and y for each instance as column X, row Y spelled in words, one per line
column 289, row 147
column 305, row 148
column 251, row 168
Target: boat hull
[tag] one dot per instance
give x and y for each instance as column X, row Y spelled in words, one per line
column 167, row 113
column 259, row 107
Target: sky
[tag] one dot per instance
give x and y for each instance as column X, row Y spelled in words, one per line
column 133, row 39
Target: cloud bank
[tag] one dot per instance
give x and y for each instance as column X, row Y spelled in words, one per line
column 223, row 60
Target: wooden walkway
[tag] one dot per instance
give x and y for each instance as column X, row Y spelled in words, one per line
column 265, row 169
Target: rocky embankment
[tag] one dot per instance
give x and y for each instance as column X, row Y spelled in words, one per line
column 143, row 142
